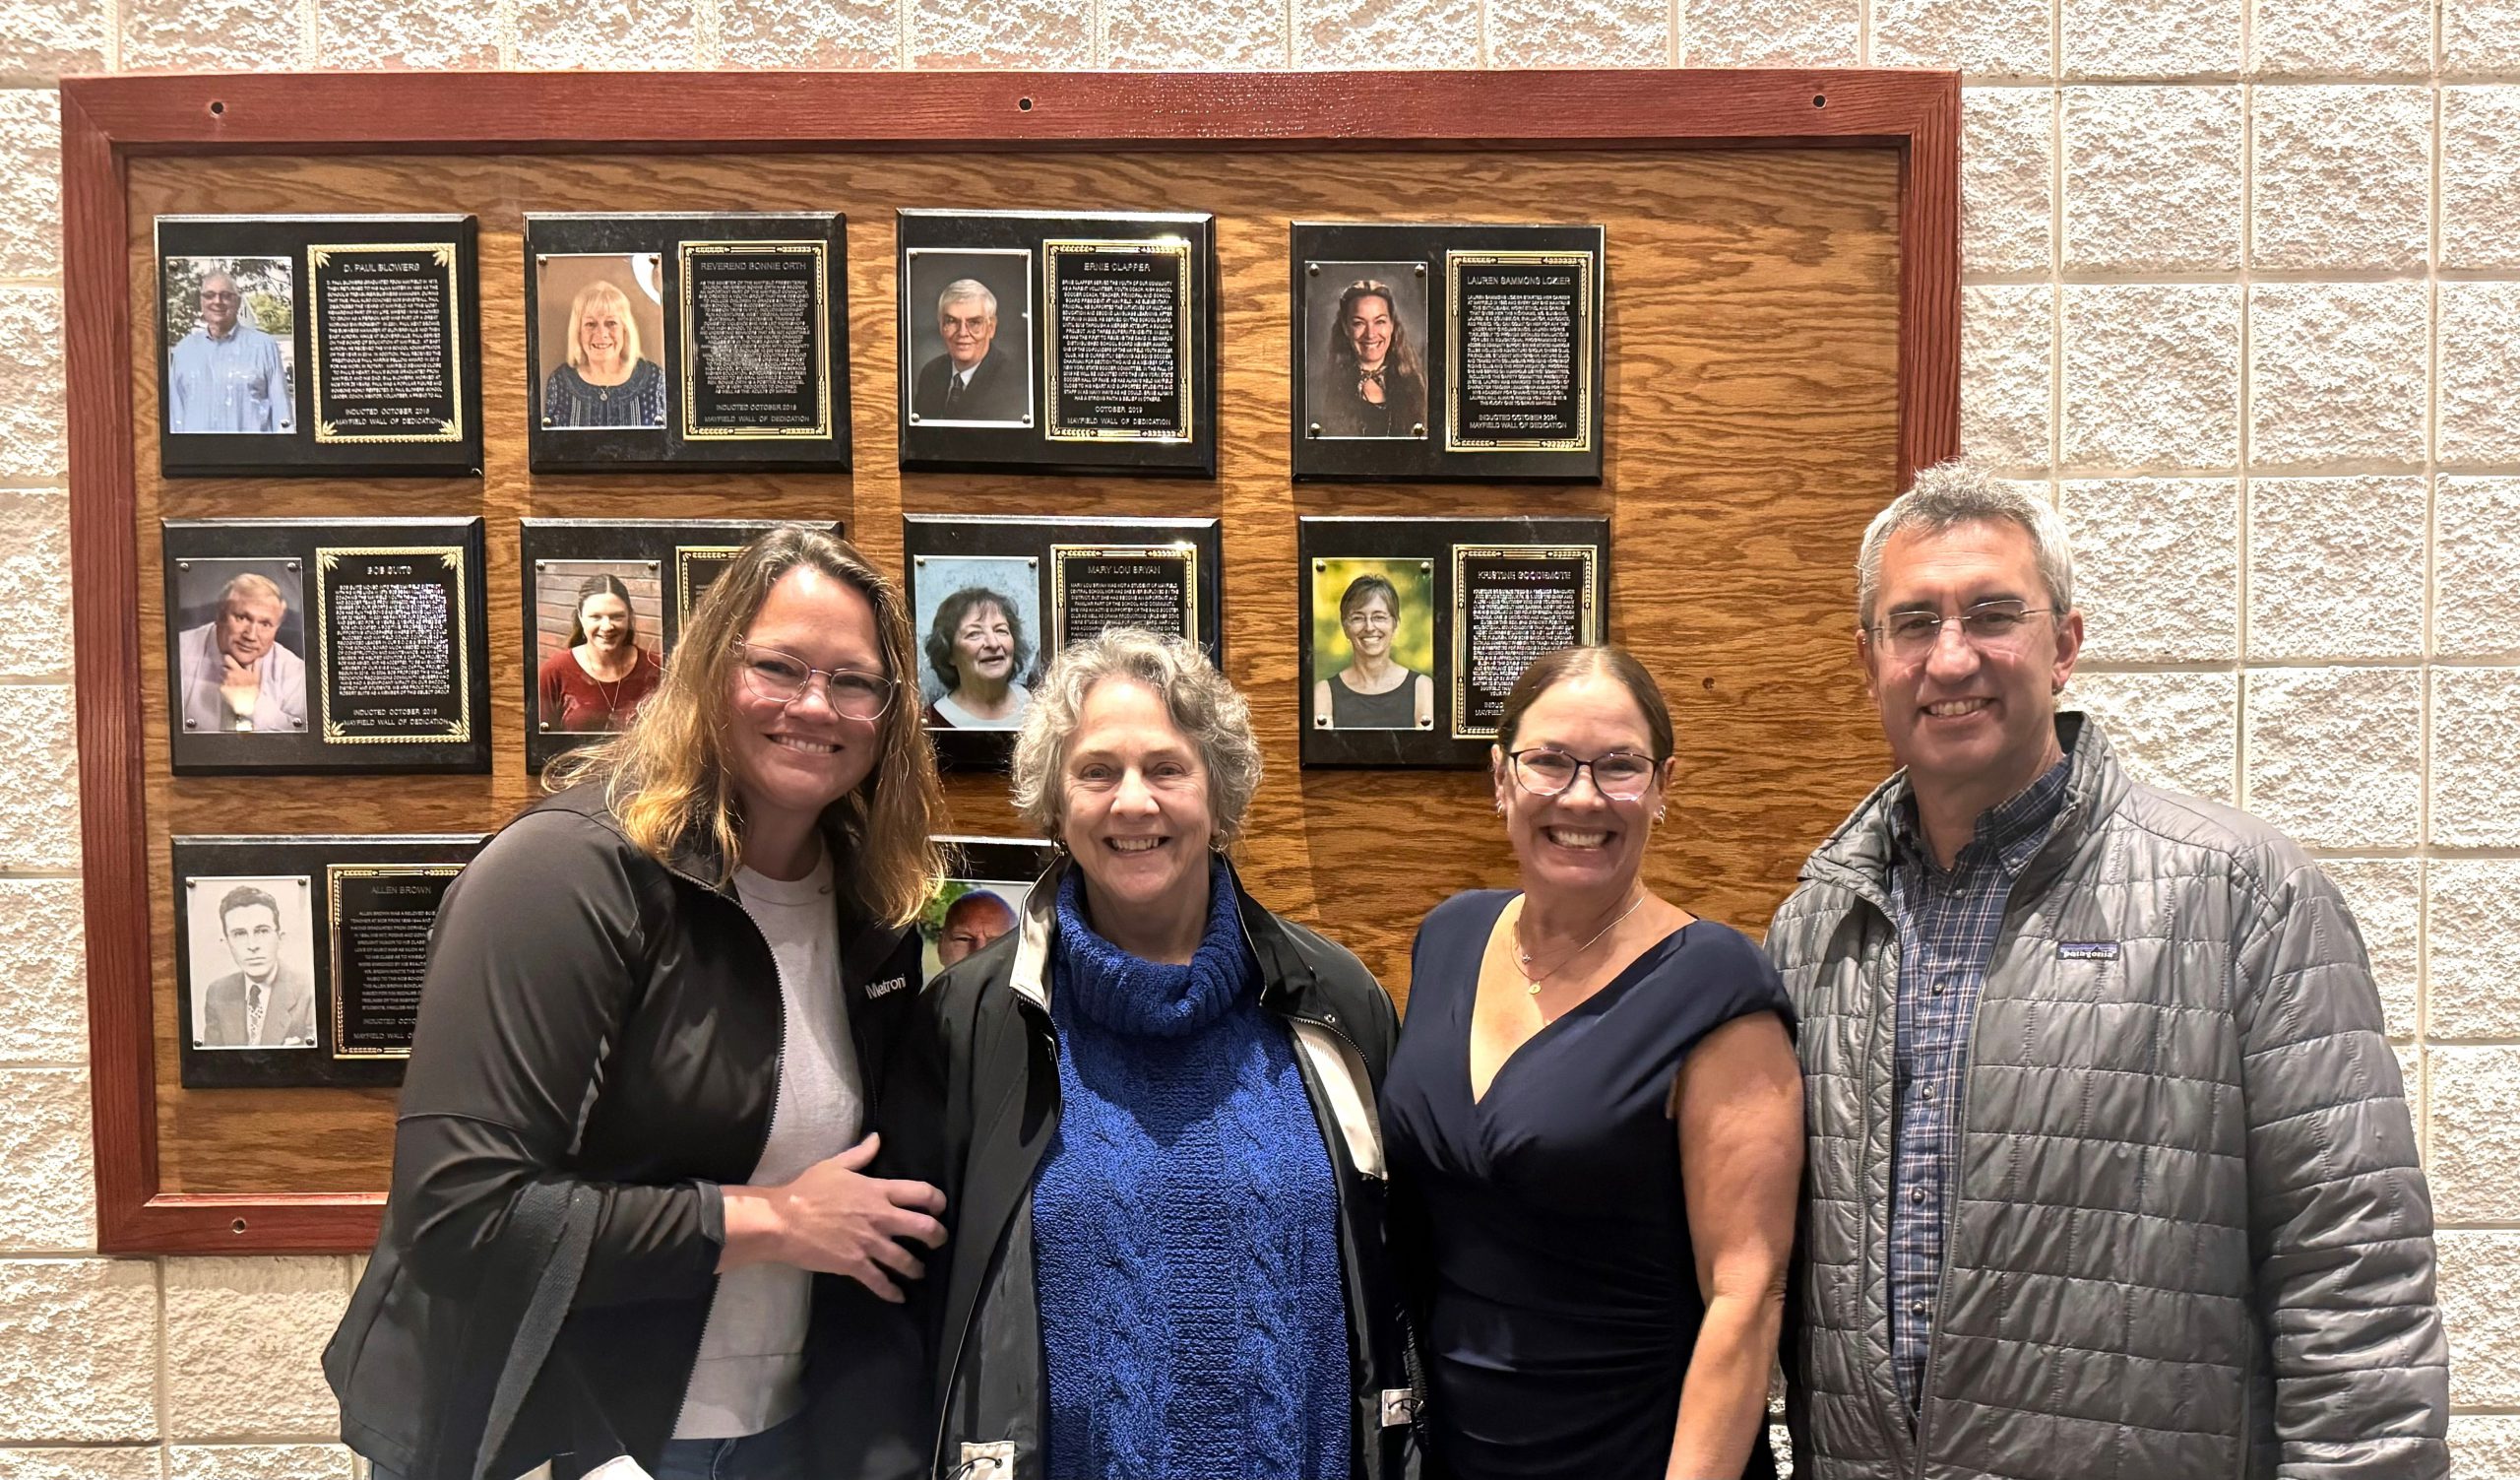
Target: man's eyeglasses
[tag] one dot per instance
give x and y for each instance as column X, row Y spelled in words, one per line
column 783, row 679
column 1620, row 775
column 1989, row 626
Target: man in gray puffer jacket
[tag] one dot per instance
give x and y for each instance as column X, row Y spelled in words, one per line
column 2110, row 1171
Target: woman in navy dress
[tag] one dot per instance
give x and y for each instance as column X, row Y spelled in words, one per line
column 1595, row 1124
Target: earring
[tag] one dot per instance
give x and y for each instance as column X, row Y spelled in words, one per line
column 1658, row 815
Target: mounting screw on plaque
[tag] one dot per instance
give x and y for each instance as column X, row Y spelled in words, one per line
column 293, row 565
column 1416, row 429
column 1312, row 429
column 1422, row 269
column 914, row 418
column 542, row 725
column 183, row 564
column 1313, row 268
column 191, row 724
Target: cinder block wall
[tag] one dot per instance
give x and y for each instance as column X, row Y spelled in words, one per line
column 2243, row 296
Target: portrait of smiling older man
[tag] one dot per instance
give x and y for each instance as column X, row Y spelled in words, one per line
column 233, row 671
column 975, row 379
column 225, row 375
column 2111, row 1169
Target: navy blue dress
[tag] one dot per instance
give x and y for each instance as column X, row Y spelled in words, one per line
column 1543, row 1229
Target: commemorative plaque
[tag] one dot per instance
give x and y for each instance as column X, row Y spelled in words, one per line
column 982, row 897
column 1416, row 630
column 605, row 601
column 326, row 645
column 992, row 600
column 298, row 961
column 696, row 342
column 1058, row 344
column 1450, row 353
column 316, row 345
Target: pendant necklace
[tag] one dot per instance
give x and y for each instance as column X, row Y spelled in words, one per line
column 1524, row 957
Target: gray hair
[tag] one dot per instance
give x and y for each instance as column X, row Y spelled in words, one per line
column 1949, row 494
column 964, row 290
column 1202, row 702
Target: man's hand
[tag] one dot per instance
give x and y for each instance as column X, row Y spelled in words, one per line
column 239, row 684
column 836, row 1220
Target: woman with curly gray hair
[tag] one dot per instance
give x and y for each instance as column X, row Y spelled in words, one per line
column 1153, row 1107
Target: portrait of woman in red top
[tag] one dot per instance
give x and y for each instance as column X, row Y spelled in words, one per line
column 597, row 681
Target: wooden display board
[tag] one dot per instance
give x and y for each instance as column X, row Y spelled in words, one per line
column 1782, row 349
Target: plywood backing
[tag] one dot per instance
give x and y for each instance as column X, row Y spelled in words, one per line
column 1752, row 425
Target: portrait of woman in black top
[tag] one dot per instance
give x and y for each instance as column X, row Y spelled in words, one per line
column 1370, row 382
column 1376, row 690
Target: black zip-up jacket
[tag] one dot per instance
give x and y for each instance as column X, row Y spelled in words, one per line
column 598, row 1022
column 987, row 1061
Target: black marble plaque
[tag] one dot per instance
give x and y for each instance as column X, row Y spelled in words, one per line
column 696, row 342
column 1468, row 353
column 298, row 961
column 1047, row 342
column 1416, row 630
column 319, row 346
column 1003, row 595
column 326, row 645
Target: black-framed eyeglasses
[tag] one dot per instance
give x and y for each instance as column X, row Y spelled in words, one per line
column 783, row 678
column 1619, row 775
column 1989, row 626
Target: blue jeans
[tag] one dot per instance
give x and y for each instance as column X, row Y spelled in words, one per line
column 775, row 1454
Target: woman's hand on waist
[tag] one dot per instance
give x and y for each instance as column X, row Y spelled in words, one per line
column 834, row 1219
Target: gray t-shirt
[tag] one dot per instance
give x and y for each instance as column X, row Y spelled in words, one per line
column 753, row 1351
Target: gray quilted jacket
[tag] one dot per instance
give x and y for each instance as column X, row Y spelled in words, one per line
column 2189, row 1239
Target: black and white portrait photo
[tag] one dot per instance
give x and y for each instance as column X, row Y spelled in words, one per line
column 252, row 948
column 967, row 336
column 238, row 638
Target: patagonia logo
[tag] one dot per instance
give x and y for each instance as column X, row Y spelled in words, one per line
column 2086, row 950
column 887, row 989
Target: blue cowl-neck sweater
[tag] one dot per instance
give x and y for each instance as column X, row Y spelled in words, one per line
column 1185, row 1224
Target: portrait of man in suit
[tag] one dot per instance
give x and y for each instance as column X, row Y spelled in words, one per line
column 268, row 1000
column 976, row 378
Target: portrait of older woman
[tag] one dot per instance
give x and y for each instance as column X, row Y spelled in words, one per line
column 601, row 673
column 605, row 379
column 641, row 1112
column 979, row 652
column 1151, row 1104
column 1595, row 1126
column 1366, row 379
column 1374, row 690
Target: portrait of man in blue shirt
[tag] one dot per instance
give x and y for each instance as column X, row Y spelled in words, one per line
column 227, row 374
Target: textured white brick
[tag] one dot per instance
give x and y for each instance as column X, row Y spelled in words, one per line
column 2468, row 948
column 43, row 38
column 2480, row 1286
column 2336, row 755
column 2151, row 376
column 78, row 1350
column 39, row 787
column 2475, row 567
column 2007, row 341
column 43, row 972
column 2153, row 177
column 2386, row 896
column 2344, row 176
column 1771, row 33
column 2336, row 373
column 258, row 1461
column 2479, row 416
column 31, row 182
column 2474, row 1098
column 2342, row 37
column 31, row 386
column 243, row 1336
column 836, row 33
column 1359, row 34
column 2336, row 567
column 47, row 1172
column 2480, row 35
column 2157, row 567
column 2007, row 200
column 2481, row 177
column 1044, row 34
column 1980, row 38
column 2483, row 1446
column 2180, row 730
column 212, row 35
column 1213, row 35
column 1578, row 33
column 604, row 35
column 2151, row 37
column 79, row 1464
column 34, row 584
column 418, row 35
column 2476, row 730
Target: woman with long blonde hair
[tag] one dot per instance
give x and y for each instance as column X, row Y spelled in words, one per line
column 634, row 1209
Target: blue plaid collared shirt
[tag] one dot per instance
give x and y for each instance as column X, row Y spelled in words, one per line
column 1947, row 923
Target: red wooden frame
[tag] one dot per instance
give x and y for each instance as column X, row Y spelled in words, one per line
column 106, row 121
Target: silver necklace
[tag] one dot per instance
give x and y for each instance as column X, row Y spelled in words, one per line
column 1523, row 959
